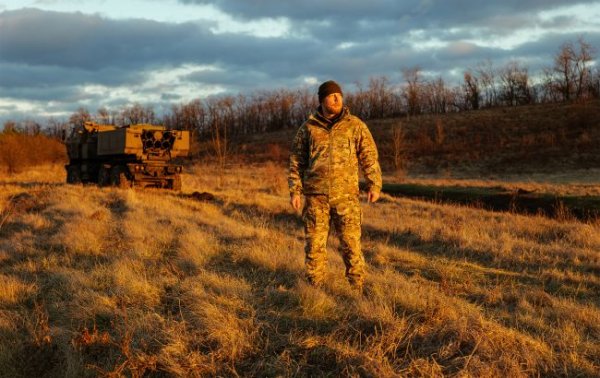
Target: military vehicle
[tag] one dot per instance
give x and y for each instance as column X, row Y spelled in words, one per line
column 131, row 156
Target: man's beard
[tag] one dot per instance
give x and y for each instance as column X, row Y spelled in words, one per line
column 333, row 109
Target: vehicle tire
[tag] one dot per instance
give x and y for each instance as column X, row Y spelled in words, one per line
column 118, row 178
column 176, row 184
column 104, row 175
column 73, row 174
column 124, row 182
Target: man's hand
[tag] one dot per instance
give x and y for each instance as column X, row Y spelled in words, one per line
column 372, row 197
column 296, row 202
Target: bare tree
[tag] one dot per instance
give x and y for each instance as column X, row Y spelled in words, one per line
column 516, row 89
column 193, row 117
column 358, row 102
column 379, row 97
column 583, row 59
column 564, row 71
column 571, row 73
column 56, row 129
column 435, row 95
column 220, row 111
column 241, row 113
column 279, row 109
column 305, row 102
column 487, row 75
column 10, row 126
column 137, row 113
column 398, row 147
column 412, row 91
column 81, row 116
column 30, row 127
column 472, row 90
column 103, row 116
column 594, row 84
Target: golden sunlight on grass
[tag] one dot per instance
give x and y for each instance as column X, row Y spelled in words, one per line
column 103, row 281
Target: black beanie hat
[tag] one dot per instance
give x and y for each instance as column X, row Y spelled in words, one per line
column 328, row 88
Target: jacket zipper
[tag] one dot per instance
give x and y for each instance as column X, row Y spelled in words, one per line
column 329, row 166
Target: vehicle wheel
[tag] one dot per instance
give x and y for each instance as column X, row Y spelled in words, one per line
column 73, row 175
column 119, row 178
column 124, row 182
column 104, row 175
column 176, row 184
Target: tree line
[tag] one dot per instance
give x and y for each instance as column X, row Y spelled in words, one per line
column 571, row 77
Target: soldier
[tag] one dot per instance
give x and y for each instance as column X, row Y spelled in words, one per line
column 324, row 161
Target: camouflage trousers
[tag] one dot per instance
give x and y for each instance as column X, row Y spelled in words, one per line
column 345, row 215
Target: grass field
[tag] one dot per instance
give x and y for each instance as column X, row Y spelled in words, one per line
column 149, row 283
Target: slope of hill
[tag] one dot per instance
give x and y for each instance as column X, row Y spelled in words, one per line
column 548, row 138
column 126, row 282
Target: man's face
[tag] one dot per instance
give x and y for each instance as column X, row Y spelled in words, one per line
column 332, row 104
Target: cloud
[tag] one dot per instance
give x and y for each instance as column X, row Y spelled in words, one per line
column 93, row 43
column 38, row 37
column 335, row 22
column 75, row 59
column 170, row 97
column 38, row 77
column 426, row 13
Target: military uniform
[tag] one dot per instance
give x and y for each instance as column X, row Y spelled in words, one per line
column 324, row 163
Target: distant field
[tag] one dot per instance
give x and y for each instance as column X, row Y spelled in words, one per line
column 127, row 282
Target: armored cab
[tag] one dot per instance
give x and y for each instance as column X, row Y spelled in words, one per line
column 135, row 155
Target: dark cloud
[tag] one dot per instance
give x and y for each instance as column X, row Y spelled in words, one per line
column 38, row 37
column 545, row 48
column 93, row 43
column 428, row 13
column 42, row 76
column 75, row 50
column 53, row 56
column 229, row 78
column 63, row 94
column 305, row 10
column 339, row 21
column 170, row 97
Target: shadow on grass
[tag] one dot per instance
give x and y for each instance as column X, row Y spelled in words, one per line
column 296, row 342
column 526, row 272
column 39, row 349
column 282, row 220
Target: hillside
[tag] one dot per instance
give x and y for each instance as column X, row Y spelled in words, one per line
column 126, row 282
column 524, row 140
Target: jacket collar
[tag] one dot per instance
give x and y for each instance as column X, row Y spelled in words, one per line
column 317, row 118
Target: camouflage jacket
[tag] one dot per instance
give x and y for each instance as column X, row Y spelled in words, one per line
column 325, row 156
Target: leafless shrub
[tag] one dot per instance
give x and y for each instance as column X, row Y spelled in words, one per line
column 399, row 149
column 19, row 151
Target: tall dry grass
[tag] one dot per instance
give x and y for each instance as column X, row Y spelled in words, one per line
column 127, row 282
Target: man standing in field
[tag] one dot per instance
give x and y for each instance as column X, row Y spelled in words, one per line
column 324, row 166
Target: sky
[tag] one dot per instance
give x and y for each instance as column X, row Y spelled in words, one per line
column 58, row 56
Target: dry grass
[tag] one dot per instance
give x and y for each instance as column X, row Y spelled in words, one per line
column 573, row 183
column 523, row 140
column 126, row 282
